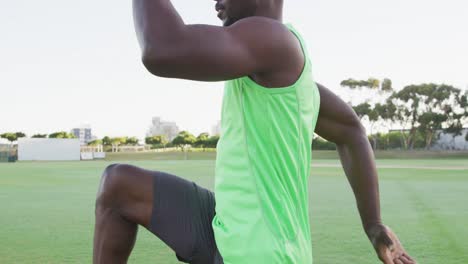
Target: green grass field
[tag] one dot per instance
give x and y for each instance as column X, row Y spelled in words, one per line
column 47, row 210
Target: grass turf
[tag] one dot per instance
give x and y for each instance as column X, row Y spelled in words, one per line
column 47, row 211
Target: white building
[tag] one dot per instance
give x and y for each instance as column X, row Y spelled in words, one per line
column 40, row 149
column 84, row 134
column 216, row 129
column 158, row 127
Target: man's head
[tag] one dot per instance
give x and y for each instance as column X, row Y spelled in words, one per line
column 230, row 11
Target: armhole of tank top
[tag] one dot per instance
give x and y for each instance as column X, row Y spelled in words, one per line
column 285, row 89
column 302, row 43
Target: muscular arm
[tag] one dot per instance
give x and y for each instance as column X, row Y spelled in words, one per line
column 338, row 123
column 170, row 48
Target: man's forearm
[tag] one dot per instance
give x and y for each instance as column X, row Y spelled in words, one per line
column 358, row 162
column 156, row 24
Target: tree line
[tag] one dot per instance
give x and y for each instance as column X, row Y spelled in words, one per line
column 184, row 138
column 14, row 136
column 416, row 112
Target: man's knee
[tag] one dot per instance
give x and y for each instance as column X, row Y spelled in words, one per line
column 127, row 191
column 112, row 187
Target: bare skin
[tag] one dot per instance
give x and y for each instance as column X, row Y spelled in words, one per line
column 253, row 42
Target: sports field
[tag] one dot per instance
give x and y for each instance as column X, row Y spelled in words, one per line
column 47, row 210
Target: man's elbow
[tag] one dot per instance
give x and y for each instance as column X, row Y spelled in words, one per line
column 161, row 61
column 355, row 133
column 157, row 62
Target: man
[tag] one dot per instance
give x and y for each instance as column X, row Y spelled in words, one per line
column 270, row 109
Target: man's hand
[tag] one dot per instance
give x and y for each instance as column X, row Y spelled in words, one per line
column 387, row 245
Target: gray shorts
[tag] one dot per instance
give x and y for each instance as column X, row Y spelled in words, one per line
column 181, row 218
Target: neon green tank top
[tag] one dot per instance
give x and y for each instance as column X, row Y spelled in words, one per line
column 262, row 169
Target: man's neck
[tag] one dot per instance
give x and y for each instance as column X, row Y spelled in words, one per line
column 271, row 9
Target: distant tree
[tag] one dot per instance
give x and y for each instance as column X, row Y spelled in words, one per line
column 353, row 84
column 39, row 136
column 464, row 105
column 96, row 142
column 12, row 137
column 394, row 140
column 457, row 114
column 184, row 138
column 385, row 112
column 429, row 123
column 390, row 140
column 387, row 85
column 378, row 91
column 371, row 83
column 362, row 110
column 149, row 140
column 407, row 104
column 426, row 108
column 382, row 116
column 156, row 140
column 9, row 136
column 20, row 135
column 212, row 142
column 202, row 140
column 445, row 108
column 106, row 141
column 116, row 142
column 365, row 110
column 61, row 134
column 133, row 141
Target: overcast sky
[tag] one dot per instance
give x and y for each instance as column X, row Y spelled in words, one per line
column 65, row 63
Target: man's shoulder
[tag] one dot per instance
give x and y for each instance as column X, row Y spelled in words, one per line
column 260, row 27
column 267, row 37
column 260, row 21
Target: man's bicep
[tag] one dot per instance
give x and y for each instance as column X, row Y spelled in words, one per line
column 205, row 53
column 337, row 121
column 211, row 53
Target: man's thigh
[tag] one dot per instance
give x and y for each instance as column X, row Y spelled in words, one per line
column 181, row 217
